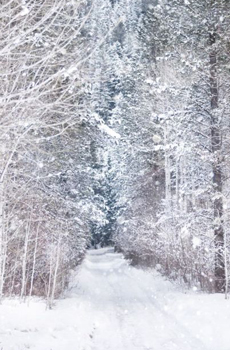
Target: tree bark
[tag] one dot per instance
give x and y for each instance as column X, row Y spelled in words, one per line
column 216, row 143
column 3, row 242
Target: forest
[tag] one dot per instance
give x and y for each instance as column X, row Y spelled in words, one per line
column 114, row 131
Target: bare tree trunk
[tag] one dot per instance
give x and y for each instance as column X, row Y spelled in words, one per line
column 34, row 260
column 3, row 242
column 56, row 270
column 48, row 303
column 177, row 183
column 226, row 264
column 168, row 194
column 14, row 270
column 216, row 143
column 4, row 257
column 24, row 262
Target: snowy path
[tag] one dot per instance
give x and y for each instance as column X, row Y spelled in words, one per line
column 124, row 311
column 113, row 306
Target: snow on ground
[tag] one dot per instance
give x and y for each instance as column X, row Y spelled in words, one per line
column 112, row 306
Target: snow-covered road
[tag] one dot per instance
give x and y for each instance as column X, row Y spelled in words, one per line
column 125, row 313
column 113, row 306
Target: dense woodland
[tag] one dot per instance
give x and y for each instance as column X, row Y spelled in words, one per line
column 114, row 130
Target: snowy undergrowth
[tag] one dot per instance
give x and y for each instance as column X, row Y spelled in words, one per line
column 113, row 306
